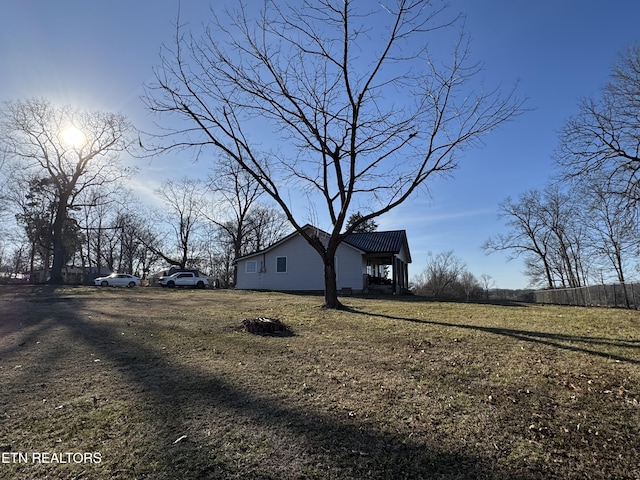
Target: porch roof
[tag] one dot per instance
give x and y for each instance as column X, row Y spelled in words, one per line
column 390, row 241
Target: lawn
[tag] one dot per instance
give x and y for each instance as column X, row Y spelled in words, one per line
column 150, row 383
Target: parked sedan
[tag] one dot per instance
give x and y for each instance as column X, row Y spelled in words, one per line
column 117, row 280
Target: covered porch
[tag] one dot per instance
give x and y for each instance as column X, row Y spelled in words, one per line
column 385, row 274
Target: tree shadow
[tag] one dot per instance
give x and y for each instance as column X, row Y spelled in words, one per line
column 348, row 448
column 550, row 339
column 414, row 298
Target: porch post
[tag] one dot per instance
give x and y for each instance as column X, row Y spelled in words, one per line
column 406, row 275
column 394, row 271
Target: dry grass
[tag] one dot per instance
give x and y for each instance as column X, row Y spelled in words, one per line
column 163, row 386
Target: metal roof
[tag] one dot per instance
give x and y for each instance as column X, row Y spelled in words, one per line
column 368, row 242
column 379, row 242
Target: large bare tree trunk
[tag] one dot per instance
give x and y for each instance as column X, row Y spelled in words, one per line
column 59, row 254
column 330, row 284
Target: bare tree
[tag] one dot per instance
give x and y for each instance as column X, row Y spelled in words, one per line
column 266, row 225
column 612, row 227
column 5, row 181
column 238, row 193
column 487, row 283
column 604, row 136
column 441, row 277
column 470, row 285
column 244, row 223
column 95, row 217
column 351, row 88
column 560, row 214
column 545, row 227
column 184, row 203
column 72, row 149
column 528, row 235
column 138, row 239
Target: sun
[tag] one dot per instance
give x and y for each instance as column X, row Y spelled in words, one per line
column 74, row 137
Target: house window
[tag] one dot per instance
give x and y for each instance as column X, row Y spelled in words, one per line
column 251, row 266
column 281, row 264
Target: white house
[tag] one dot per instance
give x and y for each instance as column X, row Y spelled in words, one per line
column 364, row 262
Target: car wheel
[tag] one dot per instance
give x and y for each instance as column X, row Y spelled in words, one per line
column 105, row 283
column 171, row 284
column 132, row 284
column 200, row 285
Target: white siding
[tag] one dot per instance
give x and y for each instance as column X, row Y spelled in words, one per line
column 402, row 254
column 304, row 268
column 351, row 266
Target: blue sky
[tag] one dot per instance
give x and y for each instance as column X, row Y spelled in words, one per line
column 97, row 55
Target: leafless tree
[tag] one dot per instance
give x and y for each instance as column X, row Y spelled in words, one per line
column 470, row 285
column 73, row 150
column 244, row 223
column 358, row 106
column 604, row 137
column 545, row 227
column 138, row 239
column 236, row 194
column 115, row 228
column 442, row 275
column 487, row 282
column 94, row 216
column 612, row 225
column 184, row 203
column 528, row 235
column 5, row 180
column 266, row 225
column 561, row 215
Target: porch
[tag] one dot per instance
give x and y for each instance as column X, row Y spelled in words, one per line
column 385, row 274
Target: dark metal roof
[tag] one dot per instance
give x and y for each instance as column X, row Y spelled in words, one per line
column 372, row 242
column 379, row 242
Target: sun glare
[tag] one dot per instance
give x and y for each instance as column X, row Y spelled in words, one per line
column 73, row 137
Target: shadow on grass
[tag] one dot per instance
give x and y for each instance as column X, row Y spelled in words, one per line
column 408, row 298
column 327, row 447
column 411, row 298
column 550, row 339
column 343, row 447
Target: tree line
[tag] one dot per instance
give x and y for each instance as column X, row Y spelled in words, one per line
column 582, row 228
column 446, row 277
column 65, row 202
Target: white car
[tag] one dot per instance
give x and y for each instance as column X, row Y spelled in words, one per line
column 117, row 280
